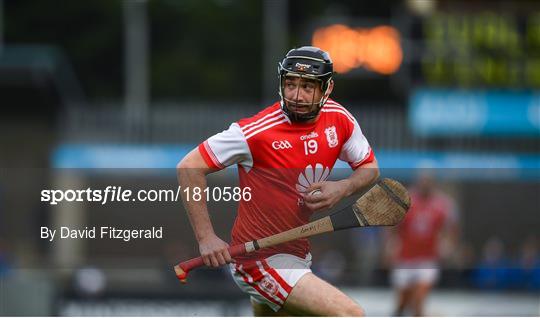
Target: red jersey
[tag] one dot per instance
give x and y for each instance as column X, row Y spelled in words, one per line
column 279, row 159
column 420, row 229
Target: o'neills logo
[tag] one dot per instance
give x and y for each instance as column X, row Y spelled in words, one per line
column 312, row 134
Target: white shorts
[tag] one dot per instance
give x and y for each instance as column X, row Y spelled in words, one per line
column 270, row 281
column 408, row 274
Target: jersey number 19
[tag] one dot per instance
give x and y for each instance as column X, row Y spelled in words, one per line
column 310, row 146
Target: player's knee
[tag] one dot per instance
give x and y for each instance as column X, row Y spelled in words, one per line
column 357, row 312
column 353, row 310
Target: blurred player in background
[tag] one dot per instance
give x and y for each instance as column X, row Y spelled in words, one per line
column 284, row 153
column 430, row 224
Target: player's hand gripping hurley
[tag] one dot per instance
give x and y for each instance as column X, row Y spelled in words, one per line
column 384, row 204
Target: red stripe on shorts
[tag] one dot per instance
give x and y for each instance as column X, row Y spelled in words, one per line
column 279, row 293
column 258, row 289
column 276, row 276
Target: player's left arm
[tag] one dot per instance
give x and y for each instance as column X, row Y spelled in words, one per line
column 331, row 192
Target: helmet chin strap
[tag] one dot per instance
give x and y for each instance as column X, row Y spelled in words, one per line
column 300, row 103
column 308, row 116
column 303, row 117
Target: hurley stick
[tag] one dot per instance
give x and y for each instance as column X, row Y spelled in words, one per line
column 385, row 204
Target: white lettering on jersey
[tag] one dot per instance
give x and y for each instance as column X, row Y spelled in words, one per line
column 281, row 144
column 310, row 147
column 313, row 134
column 331, row 136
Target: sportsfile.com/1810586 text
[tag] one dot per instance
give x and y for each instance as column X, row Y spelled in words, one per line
column 119, row 194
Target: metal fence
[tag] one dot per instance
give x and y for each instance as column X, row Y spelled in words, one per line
column 385, row 125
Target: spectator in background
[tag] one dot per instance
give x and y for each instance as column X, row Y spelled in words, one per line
column 332, row 264
column 497, row 270
column 415, row 244
column 529, row 262
column 368, row 244
column 493, row 270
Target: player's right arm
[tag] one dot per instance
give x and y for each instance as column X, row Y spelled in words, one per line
column 217, row 152
column 191, row 172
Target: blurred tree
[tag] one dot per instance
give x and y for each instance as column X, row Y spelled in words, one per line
column 199, row 49
column 207, row 49
column 89, row 32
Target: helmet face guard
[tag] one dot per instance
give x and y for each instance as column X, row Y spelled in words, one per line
column 310, row 63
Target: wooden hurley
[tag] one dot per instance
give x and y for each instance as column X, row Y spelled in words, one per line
column 385, row 204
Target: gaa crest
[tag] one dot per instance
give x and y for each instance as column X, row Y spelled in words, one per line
column 269, row 285
column 331, row 136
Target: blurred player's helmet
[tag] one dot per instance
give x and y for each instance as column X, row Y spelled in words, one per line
column 307, row 62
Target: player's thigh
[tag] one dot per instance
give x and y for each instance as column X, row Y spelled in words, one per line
column 263, row 310
column 405, row 294
column 426, row 279
column 313, row 296
column 421, row 290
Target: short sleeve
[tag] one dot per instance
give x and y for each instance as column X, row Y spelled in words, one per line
column 356, row 150
column 226, row 148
